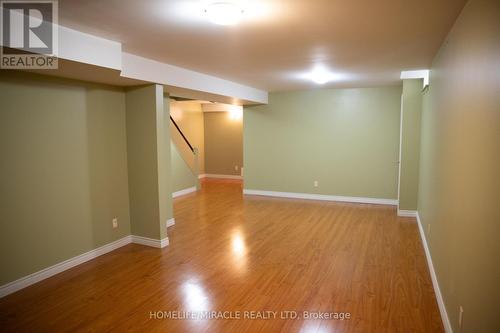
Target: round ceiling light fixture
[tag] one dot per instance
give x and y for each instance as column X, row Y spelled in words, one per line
column 320, row 75
column 224, row 13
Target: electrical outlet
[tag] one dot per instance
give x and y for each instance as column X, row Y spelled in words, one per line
column 115, row 222
column 236, row 168
column 460, row 316
column 428, row 229
column 315, row 183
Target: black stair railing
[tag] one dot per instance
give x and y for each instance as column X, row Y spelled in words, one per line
column 182, row 134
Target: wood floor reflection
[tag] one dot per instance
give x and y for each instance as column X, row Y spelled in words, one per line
column 233, row 253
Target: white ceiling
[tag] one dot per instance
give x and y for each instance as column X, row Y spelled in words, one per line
column 367, row 42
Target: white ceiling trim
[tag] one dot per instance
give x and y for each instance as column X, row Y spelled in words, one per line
column 88, row 49
column 136, row 67
column 418, row 74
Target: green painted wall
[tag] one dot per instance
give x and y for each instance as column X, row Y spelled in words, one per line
column 223, row 143
column 148, row 152
column 182, row 176
column 459, row 191
column 164, row 160
column 346, row 139
column 63, row 170
column 411, row 108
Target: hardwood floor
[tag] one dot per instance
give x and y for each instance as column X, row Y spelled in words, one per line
column 229, row 253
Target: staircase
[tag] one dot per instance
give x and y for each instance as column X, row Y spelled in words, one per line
column 188, row 153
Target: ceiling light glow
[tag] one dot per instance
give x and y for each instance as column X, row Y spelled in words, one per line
column 224, row 13
column 321, row 75
column 236, row 112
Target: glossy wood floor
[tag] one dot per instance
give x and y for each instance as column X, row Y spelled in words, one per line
column 229, row 253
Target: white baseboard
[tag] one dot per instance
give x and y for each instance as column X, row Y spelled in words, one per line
column 322, row 197
column 28, row 280
column 211, row 175
column 437, row 291
column 170, row 222
column 45, row 273
column 158, row 243
column 184, row 191
column 407, row 213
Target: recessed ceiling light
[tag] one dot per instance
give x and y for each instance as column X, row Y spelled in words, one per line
column 320, row 75
column 224, row 12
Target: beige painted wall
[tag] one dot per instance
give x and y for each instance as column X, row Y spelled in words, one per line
column 63, row 170
column 459, row 192
column 189, row 117
column 346, row 139
column 223, row 143
column 148, row 152
column 411, row 108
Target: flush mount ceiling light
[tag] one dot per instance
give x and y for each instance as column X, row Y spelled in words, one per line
column 224, row 12
column 321, row 75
